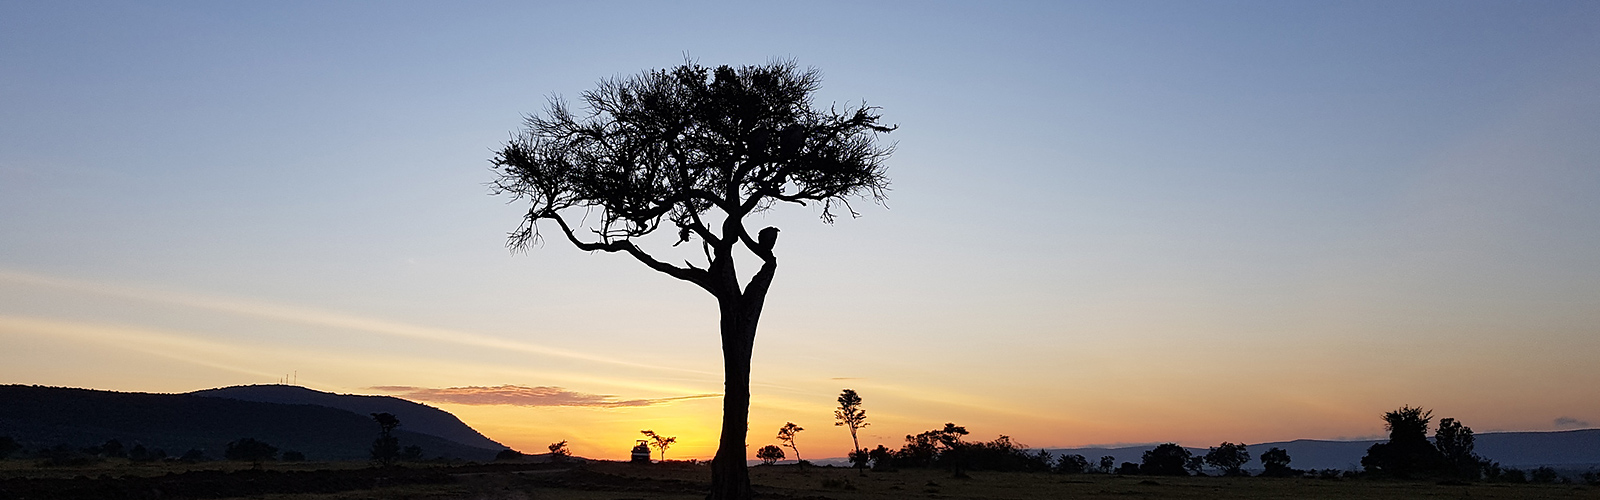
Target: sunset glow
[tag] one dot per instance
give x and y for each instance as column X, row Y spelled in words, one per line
column 1109, row 222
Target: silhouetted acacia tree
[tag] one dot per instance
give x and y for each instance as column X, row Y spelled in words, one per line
column 1165, row 460
column 294, row 456
column 386, row 449
column 786, row 438
column 1276, row 463
column 1108, row 464
column 1229, row 457
column 249, row 450
column 1408, row 451
column 659, row 442
column 849, row 414
column 701, row 149
column 769, row 454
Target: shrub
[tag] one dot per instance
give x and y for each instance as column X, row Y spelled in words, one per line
column 508, row 455
column 1543, row 475
column 769, row 454
column 1072, row 464
column 1165, row 460
column 250, row 450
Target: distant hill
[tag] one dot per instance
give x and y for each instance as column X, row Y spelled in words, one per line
column 46, row 416
column 1561, row 449
column 414, row 417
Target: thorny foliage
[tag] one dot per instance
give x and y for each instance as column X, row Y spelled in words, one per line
column 691, row 146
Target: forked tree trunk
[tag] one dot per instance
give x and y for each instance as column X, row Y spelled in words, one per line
column 730, row 478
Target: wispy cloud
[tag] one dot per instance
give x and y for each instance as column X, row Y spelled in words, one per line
column 309, row 316
column 1569, row 422
column 516, row 395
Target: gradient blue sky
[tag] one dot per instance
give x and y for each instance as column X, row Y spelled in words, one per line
column 1111, row 221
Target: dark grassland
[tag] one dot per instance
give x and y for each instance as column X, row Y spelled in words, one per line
column 597, row 480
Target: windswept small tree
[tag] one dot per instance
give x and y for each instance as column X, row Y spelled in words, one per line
column 701, row 150
column 850, row 415
column 786, row 438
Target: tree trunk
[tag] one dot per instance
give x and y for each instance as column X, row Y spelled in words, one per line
column 730, row 478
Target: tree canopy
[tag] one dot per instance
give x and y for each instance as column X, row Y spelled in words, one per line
column 689, row 146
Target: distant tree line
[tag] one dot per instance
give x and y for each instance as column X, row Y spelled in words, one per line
column 1408, row 453
column 386, row 450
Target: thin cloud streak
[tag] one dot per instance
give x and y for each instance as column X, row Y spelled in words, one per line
column 320, row 318
column 152, row 342
column 516, row 395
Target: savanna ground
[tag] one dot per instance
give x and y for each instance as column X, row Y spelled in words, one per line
column 681, row 481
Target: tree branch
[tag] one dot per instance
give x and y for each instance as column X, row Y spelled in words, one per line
column 692, row 275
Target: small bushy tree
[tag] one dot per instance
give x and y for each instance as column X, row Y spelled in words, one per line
column 882, row 458
column 1229, row 457
column 411, row 453
column 1165, row 460
column 559, row 451
column 1408, row 451
column 386, row 449
column 250, row 450
column 508, row 455
column 769, row 454
column 1072, row 464
column 1543, row 475
column 1455, row 443
column 1276, row 463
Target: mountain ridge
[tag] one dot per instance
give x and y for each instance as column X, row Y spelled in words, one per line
column 415, row 417
column 39, row 417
